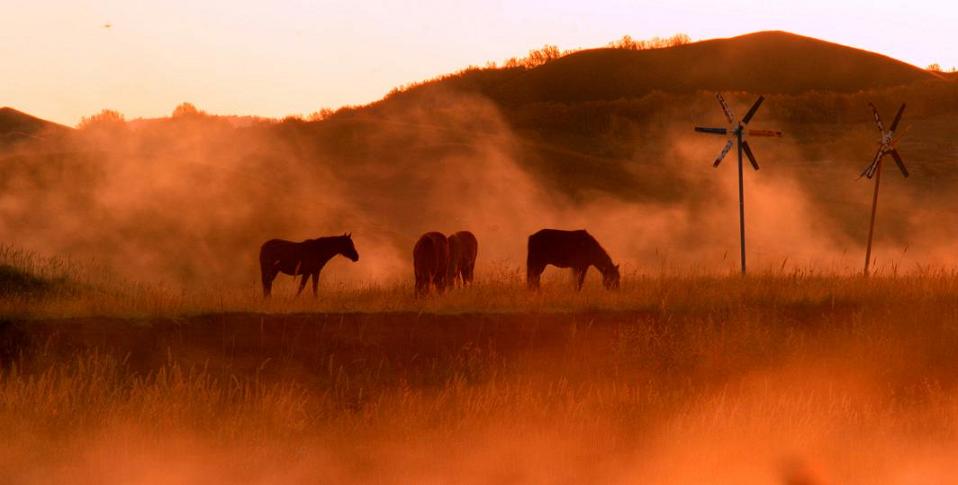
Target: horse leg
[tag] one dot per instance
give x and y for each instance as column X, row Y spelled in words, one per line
column 422, row 284
column 467, row 273
column 302, row 283
column 268, row 274
column 267, row 286
column 533, row 274
column 439, row 279
column 580, row 277
column 452, row 274
column 316, row 284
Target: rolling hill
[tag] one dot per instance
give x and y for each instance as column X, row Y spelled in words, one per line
column 16, row 125
column 579, row 117
column 764, row 62
column 599, row 138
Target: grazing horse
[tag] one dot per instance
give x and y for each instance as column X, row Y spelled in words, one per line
column 568, row 249
column 430, row 259
column 463, row 248
column 305, row 258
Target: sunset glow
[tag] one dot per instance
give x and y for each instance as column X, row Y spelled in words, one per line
column 615, row 242
column 64, row 59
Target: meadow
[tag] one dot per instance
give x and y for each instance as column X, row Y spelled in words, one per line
column 779, row 377
column 802, row 372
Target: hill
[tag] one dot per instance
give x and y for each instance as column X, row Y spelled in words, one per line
column 184, row 199
column 763, row 62
column 17, row 125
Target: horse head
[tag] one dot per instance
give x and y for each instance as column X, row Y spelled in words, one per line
column 348, row 249
column 610, row 277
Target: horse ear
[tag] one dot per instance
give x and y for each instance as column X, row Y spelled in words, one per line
column 616, row 267
column 349, row 234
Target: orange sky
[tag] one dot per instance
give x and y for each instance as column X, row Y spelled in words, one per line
column 61, row 62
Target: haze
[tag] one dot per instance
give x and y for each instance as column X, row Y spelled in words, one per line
column 64, row 60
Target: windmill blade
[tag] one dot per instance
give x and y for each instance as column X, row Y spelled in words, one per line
column 881, row 126
column 899, row 162
column 728, row 111
column 894, row 124
column 869, row 171
column 765, row 133
column 728, row 146
column 904, row 131
column 714, row 131
column 752, row 110
column 748, row 153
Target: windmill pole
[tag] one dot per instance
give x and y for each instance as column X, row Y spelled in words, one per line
column 871, row 225
column 741, row 197
column 739, row 134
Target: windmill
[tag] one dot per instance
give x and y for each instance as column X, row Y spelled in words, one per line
column 886, row 146
column 737, row 134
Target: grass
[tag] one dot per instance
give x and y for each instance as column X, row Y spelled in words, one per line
column 774, row 378
column 39, row 288
column 649, row 293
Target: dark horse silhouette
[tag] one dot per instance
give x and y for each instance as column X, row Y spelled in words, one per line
column 305, row 258
column 568, row 249
column 463, row 249
column 430, row 259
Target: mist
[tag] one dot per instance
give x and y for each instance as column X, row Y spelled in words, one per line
column 188, row 200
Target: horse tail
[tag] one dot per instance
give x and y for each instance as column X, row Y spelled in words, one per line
column 454, row 264
column 470, row 251
column 430, row 261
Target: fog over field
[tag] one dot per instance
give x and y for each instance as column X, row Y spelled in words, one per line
column 188, row 200
column 136, row 346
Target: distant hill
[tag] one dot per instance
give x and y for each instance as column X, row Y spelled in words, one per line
column 763, row 62
column 579, row 117
column 230, row 120
column 16, row 125
column 601, row 139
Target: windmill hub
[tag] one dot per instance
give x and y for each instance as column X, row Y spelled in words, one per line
column 886, row 145
column 737, row 131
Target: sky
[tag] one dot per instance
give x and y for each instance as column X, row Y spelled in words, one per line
column 62, row 60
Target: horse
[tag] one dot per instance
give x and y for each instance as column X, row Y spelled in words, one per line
column 305, row 258
column 430, row 258
column 568, row 249
column 463, row 248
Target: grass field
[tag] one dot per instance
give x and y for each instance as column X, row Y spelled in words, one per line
column 793, row 375
column 774, row 378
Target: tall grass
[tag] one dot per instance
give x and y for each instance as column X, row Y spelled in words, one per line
column 85, row 290
column 672, row 379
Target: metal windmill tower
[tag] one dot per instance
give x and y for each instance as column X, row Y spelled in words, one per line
column 886, row 146
column 737, row 134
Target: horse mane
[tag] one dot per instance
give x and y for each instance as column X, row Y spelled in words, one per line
column 327, row 239
column 602, row 259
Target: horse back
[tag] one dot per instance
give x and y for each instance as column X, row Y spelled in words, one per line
column 561, row 248
column 468, row 243
column 431, row 253
column 276, row 248
column 286, row 256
